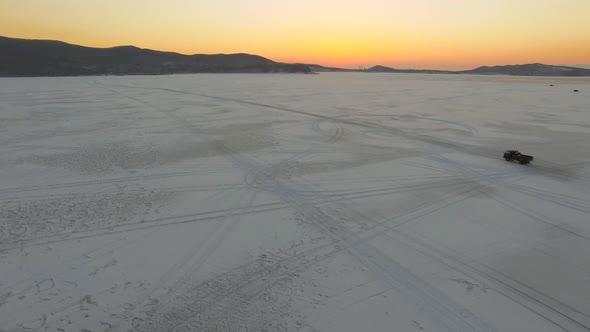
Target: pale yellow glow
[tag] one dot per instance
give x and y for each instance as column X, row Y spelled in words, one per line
column 399, row 33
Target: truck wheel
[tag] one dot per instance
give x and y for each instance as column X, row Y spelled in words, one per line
column 507, row 159
column 522, row 162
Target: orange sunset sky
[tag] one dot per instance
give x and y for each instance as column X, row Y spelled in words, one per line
column 451, row 34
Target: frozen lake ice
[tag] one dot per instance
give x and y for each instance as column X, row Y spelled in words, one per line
column 332, row 202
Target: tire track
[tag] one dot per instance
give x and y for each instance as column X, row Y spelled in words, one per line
column 110, row 249
column 558, row 313
column 215, row 301
column 574, row 203
column 437, row 304
column 172, row 280
column 470, row 149
column 84, row 260
column 209, row 215
column 561, row 315
column 554, row 311
column 332, row 138
column 106, row 181
column 455, row 146
column 181, row 189
column 459, row 169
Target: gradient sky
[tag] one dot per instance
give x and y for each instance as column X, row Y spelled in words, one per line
column 399, row 33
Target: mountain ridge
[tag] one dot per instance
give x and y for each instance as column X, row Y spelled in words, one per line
column 531, row 69
column 26, row 57
column 40, row 57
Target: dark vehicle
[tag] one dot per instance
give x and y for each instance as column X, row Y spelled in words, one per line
column 522, row 159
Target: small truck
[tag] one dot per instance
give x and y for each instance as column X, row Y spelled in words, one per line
column 515, row 155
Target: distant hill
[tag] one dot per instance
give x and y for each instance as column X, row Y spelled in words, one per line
column 383, row 69
column 320, row 68
column 533, row 69
column 21, row 57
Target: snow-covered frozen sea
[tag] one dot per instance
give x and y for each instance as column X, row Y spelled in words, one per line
column 328, row 203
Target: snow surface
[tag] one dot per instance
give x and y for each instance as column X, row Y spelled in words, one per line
column 331, row 202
